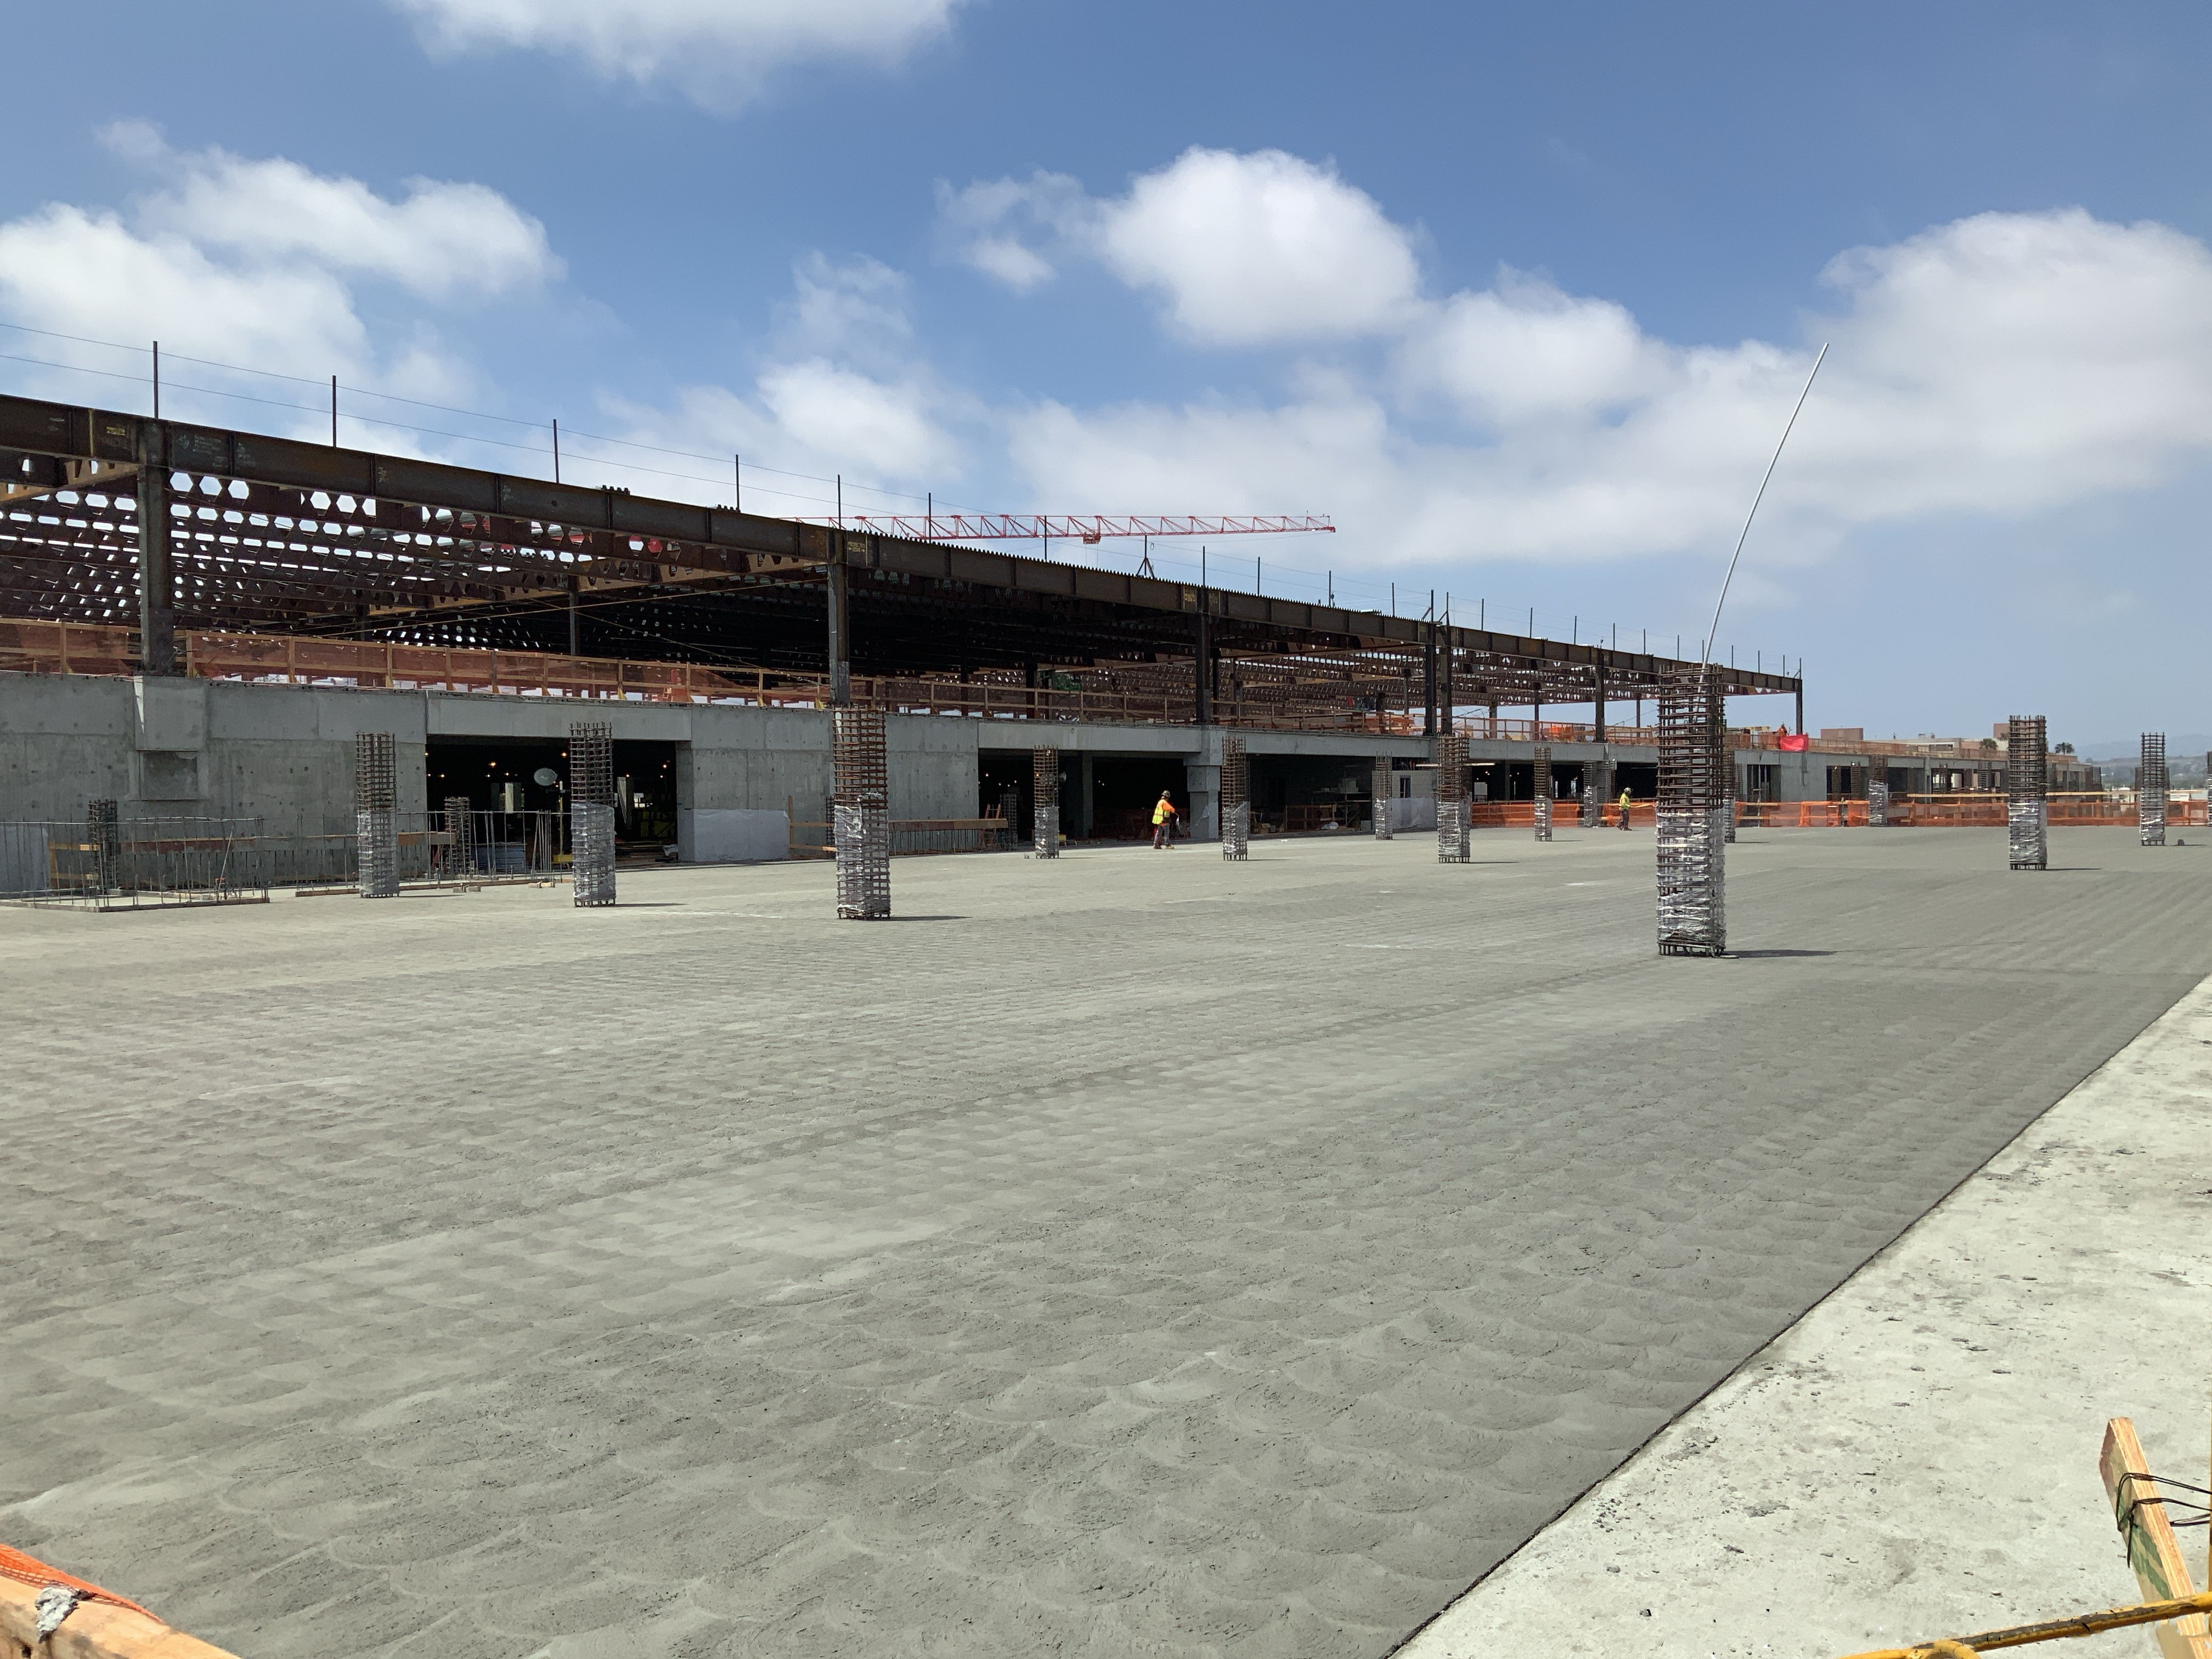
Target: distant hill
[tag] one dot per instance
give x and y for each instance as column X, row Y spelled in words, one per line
column 2185, row 755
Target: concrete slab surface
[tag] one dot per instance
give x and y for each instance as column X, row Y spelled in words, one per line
column 1917, row 1457
column 1128, row 1254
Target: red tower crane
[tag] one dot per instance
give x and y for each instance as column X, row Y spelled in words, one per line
column 1091, row 529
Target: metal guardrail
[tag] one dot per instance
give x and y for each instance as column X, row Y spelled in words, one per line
column 133, row 864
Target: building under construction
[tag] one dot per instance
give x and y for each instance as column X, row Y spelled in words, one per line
column 200, row 620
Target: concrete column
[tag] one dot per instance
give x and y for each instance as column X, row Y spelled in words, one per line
column 1085, row 790
column 1202, row 782
column 157, row 583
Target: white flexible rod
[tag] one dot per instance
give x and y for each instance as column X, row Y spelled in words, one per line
column 1713, row 632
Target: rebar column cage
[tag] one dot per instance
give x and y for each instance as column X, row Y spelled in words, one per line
column 1451, row 800
column 461, row 840
column 1728, row 785
column 1044, row 795
column 2151, row 783
column 1693, row 756
column 1236, row 799
column 2027, row 780
column 376, row 830
column 1878, row 797
column 1598, row 789
column 592, row 811
column 1543, row 792
column 103, row 834
column 1384, row 788
column 860, row 813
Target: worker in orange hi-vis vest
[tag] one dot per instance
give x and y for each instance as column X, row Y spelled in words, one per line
column 1164, row 815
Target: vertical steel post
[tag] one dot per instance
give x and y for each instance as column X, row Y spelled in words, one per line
column 840, row 640
column 157, row 583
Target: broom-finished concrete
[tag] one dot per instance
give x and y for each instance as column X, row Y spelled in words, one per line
column 1129, row 1254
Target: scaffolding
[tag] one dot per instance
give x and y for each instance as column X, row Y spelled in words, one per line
column 1452, row 815
column 860, row 813
column 1543, row 813
column 1693, row 759
column 2152, row 781
column 1384, row 787
column 1236, row 799
column 460, row 837
column 2027, row 782
column 376, row 830
column 1044, row 794
column 592, row 811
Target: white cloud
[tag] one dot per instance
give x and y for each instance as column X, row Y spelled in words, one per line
column 719, row 52
column 830, row 412
column 265, row 265
column 439, row 240
column 841, row 389
column 995, row 224
column 1244, row 250
column 2001, row 364
column 1252, row 249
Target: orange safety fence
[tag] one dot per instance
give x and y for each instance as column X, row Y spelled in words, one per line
column 50, row 647
column 29, row 1569
column 1981, row 809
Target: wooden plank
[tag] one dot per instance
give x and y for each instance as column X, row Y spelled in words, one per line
column 93, row 1630
column 2153, row 1550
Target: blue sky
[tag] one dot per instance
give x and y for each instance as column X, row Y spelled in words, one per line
column 1520, row 296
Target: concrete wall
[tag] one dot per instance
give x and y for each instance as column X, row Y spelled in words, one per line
column 285, row 753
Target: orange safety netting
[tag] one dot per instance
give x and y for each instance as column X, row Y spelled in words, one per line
column 29, row 1569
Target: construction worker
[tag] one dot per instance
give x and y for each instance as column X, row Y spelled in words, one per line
column 1163, row 816
column 1624, row 809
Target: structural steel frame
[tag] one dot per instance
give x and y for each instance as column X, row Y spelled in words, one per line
column 274, row 535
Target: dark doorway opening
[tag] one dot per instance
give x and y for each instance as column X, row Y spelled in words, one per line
column 531, row 776
column 1123, row 791
column 1295, row 793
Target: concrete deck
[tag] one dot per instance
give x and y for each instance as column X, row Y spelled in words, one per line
column 1917, row 1456
column 1132, row 1253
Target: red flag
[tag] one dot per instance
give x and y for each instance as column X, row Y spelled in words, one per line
column 1793, row 743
